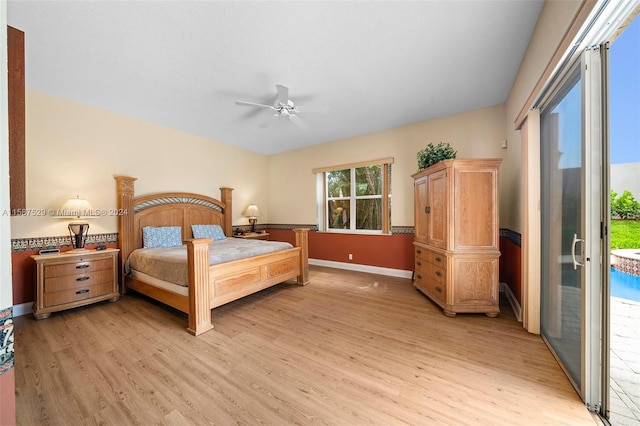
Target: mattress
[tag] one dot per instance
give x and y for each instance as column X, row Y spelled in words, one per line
column 169, row 264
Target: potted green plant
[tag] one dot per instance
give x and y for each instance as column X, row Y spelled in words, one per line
column 432, row 154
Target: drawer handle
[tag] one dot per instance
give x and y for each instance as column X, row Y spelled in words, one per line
column 86, row 290
column 418, row 263
column 427, row 210
column 438, row 289
column 438, row 273
column 82, row 279
column 419, row 276
column 82, row 265
column 419, row 251
column 438, row 259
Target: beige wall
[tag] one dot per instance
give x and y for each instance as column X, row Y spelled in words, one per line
column 553, row 23
column 292, row 190
column 74, row 149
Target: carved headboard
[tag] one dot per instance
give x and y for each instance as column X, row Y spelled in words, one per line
column 166, row 209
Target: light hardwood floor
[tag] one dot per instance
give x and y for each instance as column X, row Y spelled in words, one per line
column 348, row 349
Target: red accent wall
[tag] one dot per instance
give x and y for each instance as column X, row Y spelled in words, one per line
column 385, row 251
column 8, row 398
column 23, row 276
column 511, row 267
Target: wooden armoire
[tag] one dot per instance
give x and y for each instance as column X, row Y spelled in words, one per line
column 457, row 235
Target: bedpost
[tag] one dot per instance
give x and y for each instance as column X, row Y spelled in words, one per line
column 125, row 186
column 225, row 197
column 198, row 279
column 302, row 241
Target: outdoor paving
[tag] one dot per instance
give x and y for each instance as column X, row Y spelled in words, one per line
column 625, row 362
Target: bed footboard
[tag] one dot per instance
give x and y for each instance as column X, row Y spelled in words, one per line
column 212, row 286
column 198, row 279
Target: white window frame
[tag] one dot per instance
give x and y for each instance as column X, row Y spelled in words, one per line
column 322, row 197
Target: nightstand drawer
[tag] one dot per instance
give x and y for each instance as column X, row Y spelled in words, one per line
column 77, row 267
column 77, row 281
column 75, row 294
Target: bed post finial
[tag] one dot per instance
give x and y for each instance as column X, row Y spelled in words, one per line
column 125, row 187
column 225, row 197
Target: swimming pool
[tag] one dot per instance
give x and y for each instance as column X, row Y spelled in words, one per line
column 625, row 286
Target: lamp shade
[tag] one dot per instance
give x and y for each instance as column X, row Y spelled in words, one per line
column 252, row 211
column 76, row 208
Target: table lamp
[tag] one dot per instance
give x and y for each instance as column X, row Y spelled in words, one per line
column 252, row 212
column 78, row 209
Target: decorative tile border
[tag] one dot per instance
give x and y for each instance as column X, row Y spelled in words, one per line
column 510, row 235
column 395, row 230
column 627, row 265
column 39, row 243
column 402, row 230
column 281, row 227
column 513, row 236
column 60, row 242
column 6, row 340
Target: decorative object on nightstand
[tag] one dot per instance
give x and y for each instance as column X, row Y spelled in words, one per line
column 252, row 212
column 78, row 209
column 254, row 235
column 65, row 281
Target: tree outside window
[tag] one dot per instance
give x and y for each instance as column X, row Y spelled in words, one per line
column 356, row 198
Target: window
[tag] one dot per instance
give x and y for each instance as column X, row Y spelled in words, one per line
column 355, row 197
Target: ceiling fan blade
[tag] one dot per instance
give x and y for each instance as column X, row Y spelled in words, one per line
column 298, row 121
column 313, row 108
column 283, row 94
column 253, row 104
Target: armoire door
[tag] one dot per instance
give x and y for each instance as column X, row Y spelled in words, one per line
column 438, row 209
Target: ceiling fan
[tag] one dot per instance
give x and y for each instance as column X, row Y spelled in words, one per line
column 284, row 107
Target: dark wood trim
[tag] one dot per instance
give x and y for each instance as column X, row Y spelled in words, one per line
column 16, row 95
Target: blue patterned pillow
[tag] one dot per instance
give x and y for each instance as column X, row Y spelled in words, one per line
column 214, row 232
column 161, row 236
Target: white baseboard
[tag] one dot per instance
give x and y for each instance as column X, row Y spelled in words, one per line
column 362, row 268
column 512, row 301
column 22, row 309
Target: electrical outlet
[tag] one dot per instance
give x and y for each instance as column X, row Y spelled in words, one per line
column 350, row 256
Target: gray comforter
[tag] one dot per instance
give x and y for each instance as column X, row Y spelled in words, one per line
column 170, row 264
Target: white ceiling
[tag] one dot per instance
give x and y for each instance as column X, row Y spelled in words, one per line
column 183, row 64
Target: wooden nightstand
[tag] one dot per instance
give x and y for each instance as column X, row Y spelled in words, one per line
column 254, row 236
column 65, row 280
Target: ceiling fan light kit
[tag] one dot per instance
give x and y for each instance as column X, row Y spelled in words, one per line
column 283, row 106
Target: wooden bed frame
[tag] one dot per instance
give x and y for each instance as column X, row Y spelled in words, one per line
column 209, row 286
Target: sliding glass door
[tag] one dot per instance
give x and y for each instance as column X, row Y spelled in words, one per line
column 561, row 210
column 571, row 140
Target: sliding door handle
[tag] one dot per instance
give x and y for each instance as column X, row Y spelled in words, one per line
column 575, row 241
